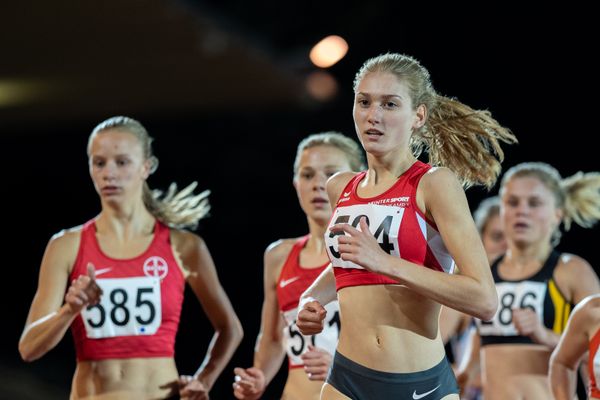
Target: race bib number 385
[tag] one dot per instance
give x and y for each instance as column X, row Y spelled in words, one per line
column 128, row 307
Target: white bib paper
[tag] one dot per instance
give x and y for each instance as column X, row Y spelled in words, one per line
column 513, row 295
column 296, row 343
column 128, row 307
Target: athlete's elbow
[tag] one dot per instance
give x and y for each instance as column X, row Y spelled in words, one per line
column 25, row 355
column 556, row 364
column 488, row 308
column 230, row 330
column 28, row 354
column 237, row 332
column 28, row 357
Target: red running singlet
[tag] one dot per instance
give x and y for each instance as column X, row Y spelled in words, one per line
column 395, row 220
column 139, row 312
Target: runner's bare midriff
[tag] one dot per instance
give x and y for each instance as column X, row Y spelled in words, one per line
column 114, row 379
column 390, row 328
column 298, row 386
column 504, row 360
column 516, row 371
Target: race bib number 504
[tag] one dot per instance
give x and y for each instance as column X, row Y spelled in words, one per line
column 128, row 307
column 383, row 222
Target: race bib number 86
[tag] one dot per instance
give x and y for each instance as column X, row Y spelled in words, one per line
column 512, row 295
column 128, row 307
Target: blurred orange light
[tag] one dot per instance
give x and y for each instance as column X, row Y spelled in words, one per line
column 328, row 51
column 321, row 86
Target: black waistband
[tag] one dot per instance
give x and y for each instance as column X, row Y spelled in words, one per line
column 494, row 339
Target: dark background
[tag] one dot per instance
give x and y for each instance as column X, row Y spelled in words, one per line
column 220, row 85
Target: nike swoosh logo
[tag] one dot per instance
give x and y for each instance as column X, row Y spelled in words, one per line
column 420, row 396
column 102, row 271
column 284, row 282
column 346, row 194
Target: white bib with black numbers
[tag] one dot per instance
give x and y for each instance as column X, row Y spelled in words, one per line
column 511, row 295
column 128, row 307
column 384, row 224
column 296, row 343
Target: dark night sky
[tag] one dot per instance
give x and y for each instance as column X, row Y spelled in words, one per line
column 530, row 70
